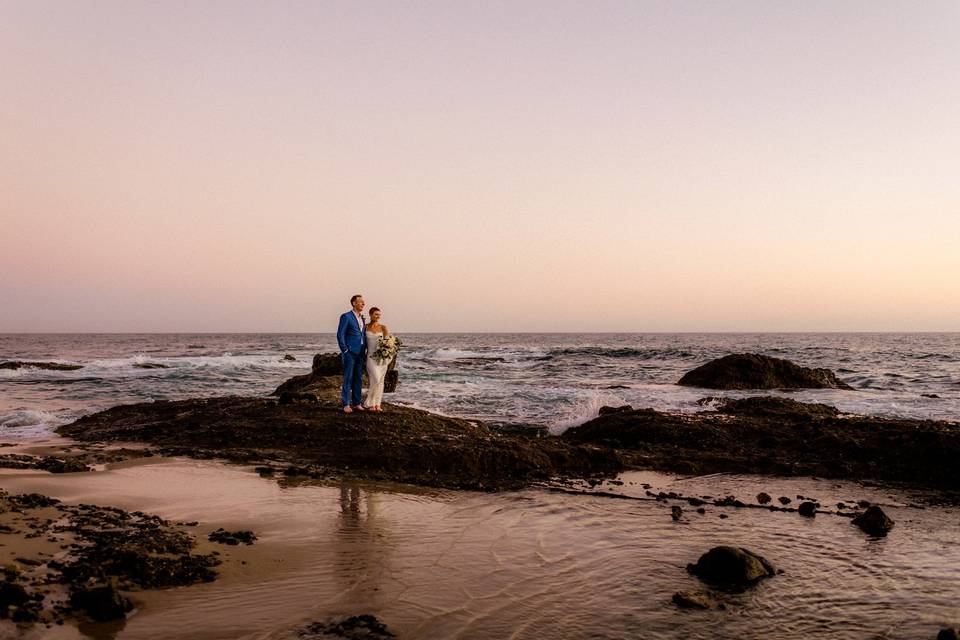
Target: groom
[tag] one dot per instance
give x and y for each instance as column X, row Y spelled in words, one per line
column 352, row 339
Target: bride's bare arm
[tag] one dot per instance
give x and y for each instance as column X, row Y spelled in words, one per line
column 386, row 331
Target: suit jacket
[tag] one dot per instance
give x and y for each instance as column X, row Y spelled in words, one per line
column 351, row 336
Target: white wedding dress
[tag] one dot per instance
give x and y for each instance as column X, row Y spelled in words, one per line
column 376, row 372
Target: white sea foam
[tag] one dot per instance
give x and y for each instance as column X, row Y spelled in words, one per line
column 586, row 408
column 30, row 424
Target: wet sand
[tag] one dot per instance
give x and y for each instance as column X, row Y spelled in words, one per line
column 434, row 563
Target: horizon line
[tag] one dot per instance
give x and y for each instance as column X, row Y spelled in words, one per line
column 239, row 333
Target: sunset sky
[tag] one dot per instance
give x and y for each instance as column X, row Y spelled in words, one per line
column 480, row 166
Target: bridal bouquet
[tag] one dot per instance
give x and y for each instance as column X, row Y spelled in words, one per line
column 387, row 348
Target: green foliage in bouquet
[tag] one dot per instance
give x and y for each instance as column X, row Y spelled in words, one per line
column 387, row 348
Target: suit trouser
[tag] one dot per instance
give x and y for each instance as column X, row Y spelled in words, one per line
column 352, row 378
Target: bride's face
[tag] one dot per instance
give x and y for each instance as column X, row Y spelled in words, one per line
column 375, row 316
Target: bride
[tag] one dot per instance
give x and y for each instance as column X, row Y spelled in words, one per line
column 376, row 369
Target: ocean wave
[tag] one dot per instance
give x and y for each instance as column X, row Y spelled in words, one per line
column 31, row 423
column 624, row 352
column 584, row 408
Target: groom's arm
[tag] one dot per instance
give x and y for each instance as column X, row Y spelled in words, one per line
column 342, row 334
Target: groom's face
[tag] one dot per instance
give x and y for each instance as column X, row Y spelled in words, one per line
column 358, row 305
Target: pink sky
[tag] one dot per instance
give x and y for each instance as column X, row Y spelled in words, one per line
column 515, row 166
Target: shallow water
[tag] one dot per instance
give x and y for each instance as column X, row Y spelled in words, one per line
column 528, row 564
column 558, row 380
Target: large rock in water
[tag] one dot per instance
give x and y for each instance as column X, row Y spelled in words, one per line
column 734, row 566
column 327, row 376
column 755, row 371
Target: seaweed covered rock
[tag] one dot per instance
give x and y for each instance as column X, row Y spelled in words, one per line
column 362, row 626
column 222, row 536
column 101, row 602
column 755, row 371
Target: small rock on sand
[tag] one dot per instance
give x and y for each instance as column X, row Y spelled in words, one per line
column 362, row 626
column 102, row 602
column 874, row 521
column 808, row 509
column 234, row 538
column 763, row 497
column 689, row 600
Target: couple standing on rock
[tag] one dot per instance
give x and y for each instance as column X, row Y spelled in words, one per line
column 353, row 337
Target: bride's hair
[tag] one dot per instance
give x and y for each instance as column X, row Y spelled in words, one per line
column 372, row 309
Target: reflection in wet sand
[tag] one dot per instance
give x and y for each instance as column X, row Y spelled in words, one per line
column 524, row 565
column 361, row 548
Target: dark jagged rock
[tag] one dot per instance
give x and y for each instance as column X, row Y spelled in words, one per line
column 784, row 500
column 874, row 521
column 48, row 366
column 763, row 497
column 31, row 501
column 755, row 371
column 327, row 364
column 289, row 358
column 353, row 628
column 778, row 436
column 391, row 380
column 222, row 536
column 101, row 602
column 326, row 377
column 929, row 395
column 689, row 600
column 62, row 465
column 400, row 443
column 608, row 410
column 111, row 550
column 773, row 406
column 808, row 509
column 11, row 595
column 288, row 397
column 151, row 365
column 730, row 565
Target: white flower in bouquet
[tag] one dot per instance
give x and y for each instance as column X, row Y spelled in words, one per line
column 387, row 348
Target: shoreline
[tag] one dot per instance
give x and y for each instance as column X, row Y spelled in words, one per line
column 335, row 542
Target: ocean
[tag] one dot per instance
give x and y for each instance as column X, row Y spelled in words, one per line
column 520, row 564
column 552, row 380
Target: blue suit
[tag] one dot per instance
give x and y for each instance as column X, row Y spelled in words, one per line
column 352, row 340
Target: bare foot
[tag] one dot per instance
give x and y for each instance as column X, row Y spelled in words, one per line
column 359, row 407
column 347, row 410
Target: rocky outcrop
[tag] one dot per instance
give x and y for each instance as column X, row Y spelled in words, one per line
column 754, row 371
column 775, row 407
column 874, row 521
column 318, row 439
column 48, row 366
column 734, row 566
column 779, row 436
column 101, row 602
column 326, row 378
